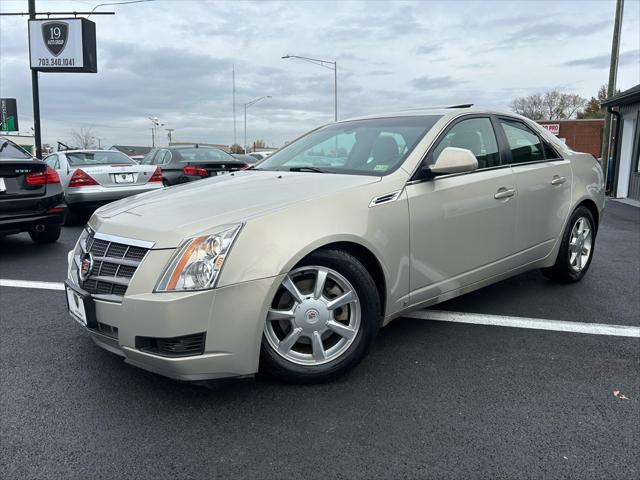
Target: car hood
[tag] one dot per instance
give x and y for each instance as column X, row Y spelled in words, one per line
column 166, row 217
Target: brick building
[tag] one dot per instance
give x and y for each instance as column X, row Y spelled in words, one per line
column 581, row 135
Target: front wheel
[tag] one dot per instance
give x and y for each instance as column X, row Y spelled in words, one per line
column 576, row 249
column 322, row 319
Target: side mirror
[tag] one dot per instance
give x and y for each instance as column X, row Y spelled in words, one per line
column 454, row 160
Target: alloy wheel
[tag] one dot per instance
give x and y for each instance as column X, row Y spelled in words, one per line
column 314, row 317
column 580, row 244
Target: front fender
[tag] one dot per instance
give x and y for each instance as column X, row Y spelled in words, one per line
column 272, row 244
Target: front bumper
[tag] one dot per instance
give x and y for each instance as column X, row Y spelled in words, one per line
column 96, row 195
column 232, row 318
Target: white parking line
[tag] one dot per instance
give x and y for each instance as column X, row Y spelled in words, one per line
column 523, row 322
column 444, row 316
column 29, row 284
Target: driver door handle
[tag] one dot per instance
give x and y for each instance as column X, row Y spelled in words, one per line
column 503, row 193
column 558, row 180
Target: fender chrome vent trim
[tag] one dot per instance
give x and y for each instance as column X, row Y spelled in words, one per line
column 386, row 198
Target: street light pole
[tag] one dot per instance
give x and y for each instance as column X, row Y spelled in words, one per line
column 247, row 105
column 331, row 65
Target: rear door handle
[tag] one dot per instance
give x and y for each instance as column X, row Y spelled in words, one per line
column 558, row 180
column 504, row 193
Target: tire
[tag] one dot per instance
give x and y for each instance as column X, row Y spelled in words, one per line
column 50, row 234
column 302, row 363
column 569, row 268
column 165, row 182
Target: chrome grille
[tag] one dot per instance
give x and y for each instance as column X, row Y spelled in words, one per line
column 114, row 263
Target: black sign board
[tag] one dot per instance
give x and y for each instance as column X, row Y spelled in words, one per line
column 8, row 115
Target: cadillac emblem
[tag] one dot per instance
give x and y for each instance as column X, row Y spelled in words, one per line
column 86, row 265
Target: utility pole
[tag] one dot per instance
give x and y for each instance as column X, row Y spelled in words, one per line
column 611, row 87
column 169, row 133
column 35, row 94
column 233, row 82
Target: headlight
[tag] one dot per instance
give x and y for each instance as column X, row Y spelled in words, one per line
column 197, row 263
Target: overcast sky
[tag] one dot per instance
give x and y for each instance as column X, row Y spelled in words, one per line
column 173, row 58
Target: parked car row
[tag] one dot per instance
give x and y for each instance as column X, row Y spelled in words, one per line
column 37, row 196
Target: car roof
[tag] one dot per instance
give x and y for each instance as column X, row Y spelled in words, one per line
column 89, row 150
column 451, row 112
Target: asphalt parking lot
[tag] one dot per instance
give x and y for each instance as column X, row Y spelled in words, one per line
column 432, row 399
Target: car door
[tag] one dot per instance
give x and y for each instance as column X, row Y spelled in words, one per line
column 462, row 225
column 543, row 181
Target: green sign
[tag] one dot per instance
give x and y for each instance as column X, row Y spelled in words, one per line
column 8, row 115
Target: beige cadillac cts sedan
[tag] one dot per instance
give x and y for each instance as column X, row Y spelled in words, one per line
column 294, row 265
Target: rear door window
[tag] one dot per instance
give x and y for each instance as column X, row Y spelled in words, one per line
column 524, row 144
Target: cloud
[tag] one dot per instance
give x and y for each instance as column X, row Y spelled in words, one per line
column 173, row 60
column 435, row 83
column 426, row 49
column 629, row 57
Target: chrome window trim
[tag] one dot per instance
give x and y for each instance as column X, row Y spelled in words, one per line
column 449, row 175
column 127, row 241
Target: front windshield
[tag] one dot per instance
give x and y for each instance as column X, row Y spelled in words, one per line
column 360, row 147
column 98, row 158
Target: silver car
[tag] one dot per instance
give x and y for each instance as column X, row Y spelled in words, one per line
column 91, row 178
column 293, row 266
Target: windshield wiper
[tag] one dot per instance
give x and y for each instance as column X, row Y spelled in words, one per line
column 307, row 169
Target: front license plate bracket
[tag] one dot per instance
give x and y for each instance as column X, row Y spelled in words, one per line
column 88, row 303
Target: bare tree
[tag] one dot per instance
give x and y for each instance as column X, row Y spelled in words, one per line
column 83, row 138
column 531, row 106
column 259, row 144
column 235, row 148
column 551, row 105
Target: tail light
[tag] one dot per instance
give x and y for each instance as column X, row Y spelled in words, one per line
column 45, row 177
column 194, row 171
column 245, row 166
column 81, row 179
column 157, row 175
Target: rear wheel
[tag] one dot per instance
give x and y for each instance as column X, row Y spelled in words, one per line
column 50, row 234
column 322, row 319
column 576, row 249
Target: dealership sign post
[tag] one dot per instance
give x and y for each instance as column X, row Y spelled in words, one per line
column 63, row 45
column 8, row 115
